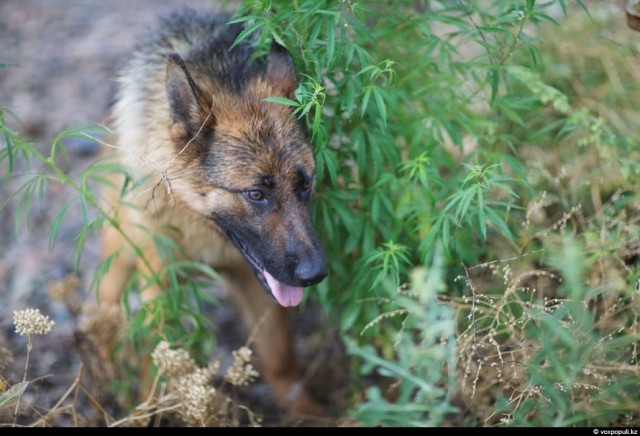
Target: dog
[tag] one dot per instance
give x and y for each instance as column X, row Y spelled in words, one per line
column 231, row 174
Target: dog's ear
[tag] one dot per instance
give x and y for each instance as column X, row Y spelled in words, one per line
column 280, row 72
column 187, row 103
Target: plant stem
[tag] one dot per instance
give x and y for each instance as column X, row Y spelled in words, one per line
column 24, row 377
column 63, row 178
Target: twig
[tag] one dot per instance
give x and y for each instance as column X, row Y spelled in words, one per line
column 163, row 389
column 193, row 138
column 74, row 414
column 146, row 415
column 60, row 401
column 107, row 415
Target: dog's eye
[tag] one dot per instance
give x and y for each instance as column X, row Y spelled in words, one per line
column 305, row 190
column 255, row 195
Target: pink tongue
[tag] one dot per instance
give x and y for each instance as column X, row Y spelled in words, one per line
column 285, row 294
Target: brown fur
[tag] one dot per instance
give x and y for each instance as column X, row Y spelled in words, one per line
column 207, row 139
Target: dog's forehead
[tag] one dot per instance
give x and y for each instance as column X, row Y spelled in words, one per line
column 278, row 164
column 260, row 142
column 247, row 161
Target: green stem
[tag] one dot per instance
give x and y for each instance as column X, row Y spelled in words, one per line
column 65, row 179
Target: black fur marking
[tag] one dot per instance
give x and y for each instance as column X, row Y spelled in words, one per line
column 211, row 38
column 267, row 181
column 182, row 91
column 255, row 263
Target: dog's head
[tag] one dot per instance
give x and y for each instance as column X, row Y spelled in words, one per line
column 248, row 166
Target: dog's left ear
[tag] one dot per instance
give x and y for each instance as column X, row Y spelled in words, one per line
column 187, row 104
column 280, row 72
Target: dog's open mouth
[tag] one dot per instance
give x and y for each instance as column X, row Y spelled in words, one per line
column 285, row 295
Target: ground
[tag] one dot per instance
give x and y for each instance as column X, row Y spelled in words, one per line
column 61, row 58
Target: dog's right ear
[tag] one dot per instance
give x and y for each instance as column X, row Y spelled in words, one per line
column 280, row 71
column 186, row 102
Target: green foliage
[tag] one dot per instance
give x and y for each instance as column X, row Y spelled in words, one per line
column 176, row 315
column 396, row 100
column 432, row 117
column 424, row 357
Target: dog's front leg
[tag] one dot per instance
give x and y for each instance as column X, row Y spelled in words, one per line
column 274, row 344
column 150, row 264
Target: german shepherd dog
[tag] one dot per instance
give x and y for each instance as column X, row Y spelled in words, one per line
column 235, row 177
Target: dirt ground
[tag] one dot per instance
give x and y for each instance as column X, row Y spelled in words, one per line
column 62, row 57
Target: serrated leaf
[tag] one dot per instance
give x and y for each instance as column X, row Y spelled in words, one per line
column 481, row 218
column 494, row 82
column 584, row 8
column 102, row 269
column 317, row 118
column 8, row 398
column 8, row 139
column 493, row 29
column 331, row 42
column 499, row 223
column 281, row 100
column 463, row 205
column 523, row 36
column 535, row 55
column 349, row 317
column 242, row 19
column 563, row 6
column 78, row 248
column 331, row 163
column 446, row 232
column 377, row 96
column 278, row 38
column 246, row 32
column 365, row 101
column 57, row 223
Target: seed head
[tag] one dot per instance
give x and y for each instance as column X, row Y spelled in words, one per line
column 31, row 322
column 241, row 373
column 104, row 325
column 196, row 395
column 172, row 363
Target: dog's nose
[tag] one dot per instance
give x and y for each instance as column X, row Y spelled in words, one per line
column 312, row 271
